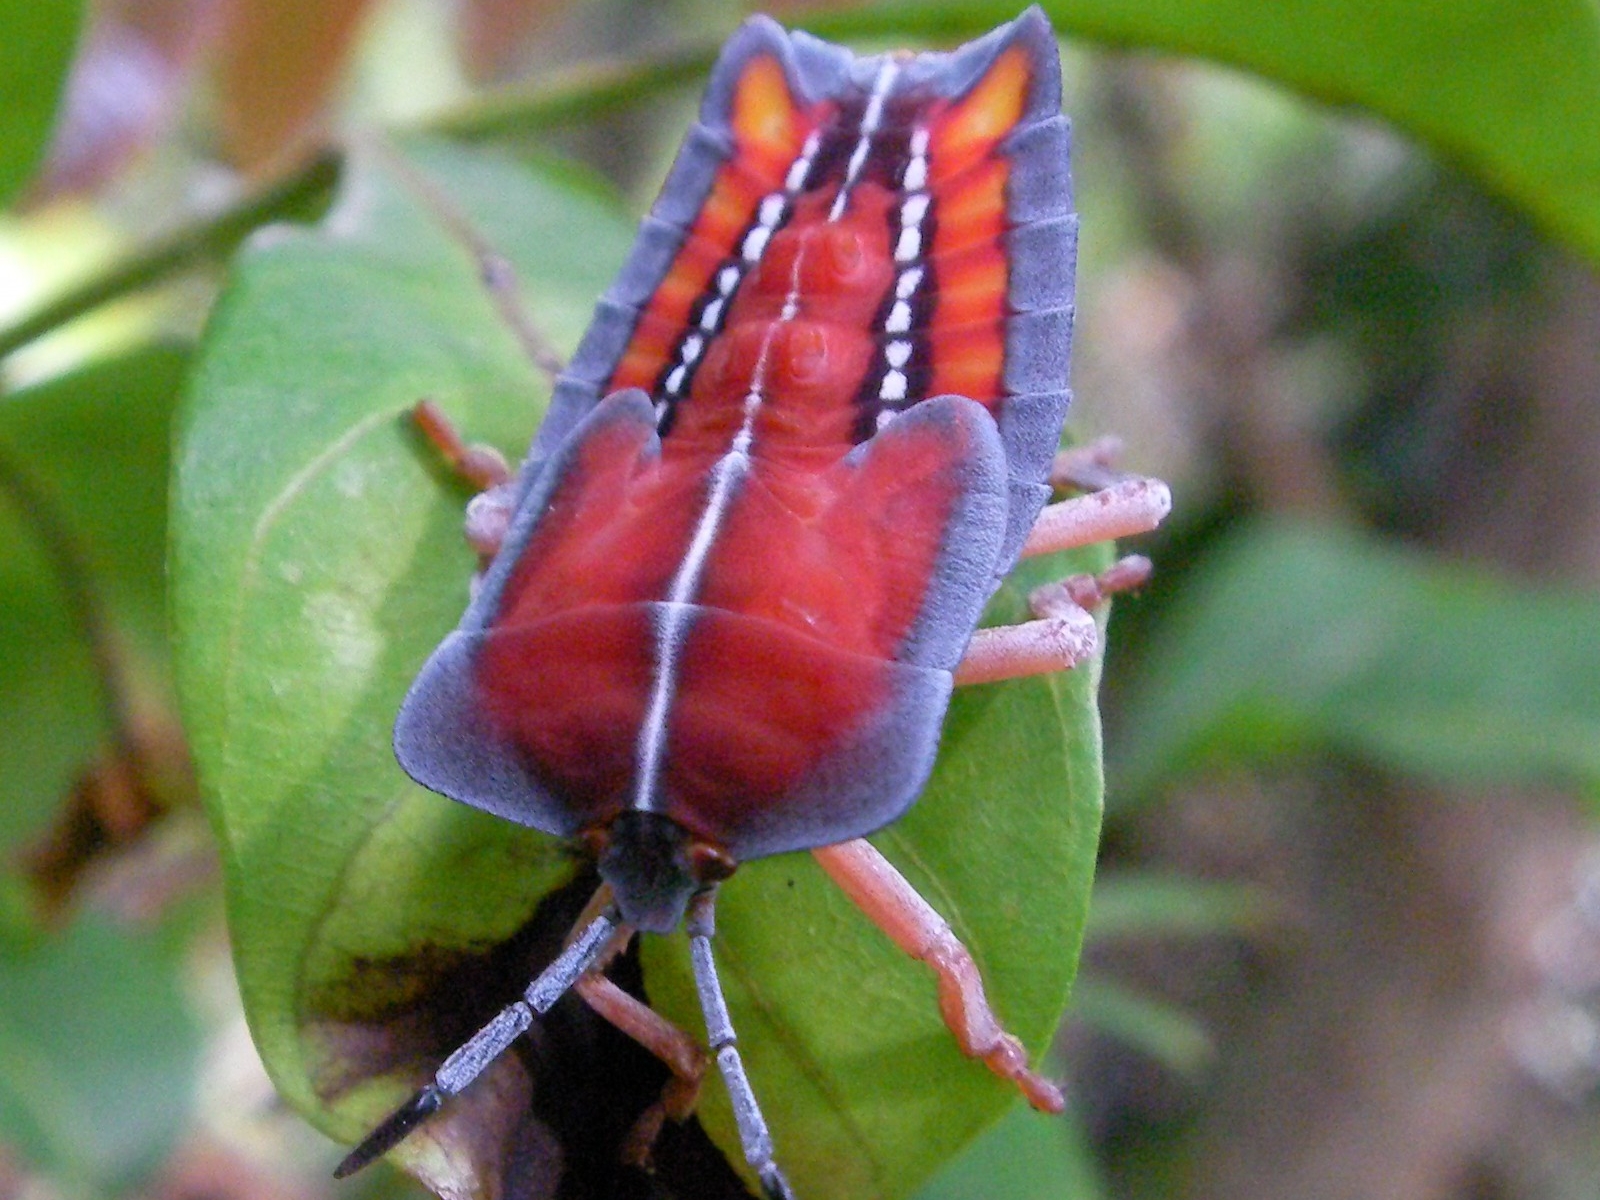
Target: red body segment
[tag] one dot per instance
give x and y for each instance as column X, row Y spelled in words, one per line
column 734, row 590
column 819, row 566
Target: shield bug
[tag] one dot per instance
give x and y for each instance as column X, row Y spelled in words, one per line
column 727, row 595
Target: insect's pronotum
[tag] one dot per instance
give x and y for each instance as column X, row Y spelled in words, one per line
column 811, row 428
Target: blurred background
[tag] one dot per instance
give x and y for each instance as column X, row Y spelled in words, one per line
column 1337, row 286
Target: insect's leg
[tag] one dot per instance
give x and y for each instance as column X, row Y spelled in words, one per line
column 680, row 1052
column 1128, row 506
column 489, row 512
column 894, row 906
column 1088, row 467
column 473, row 1057
column 482, row 466
column 1113, row 505
column 1064, row 634
column 754, row 1136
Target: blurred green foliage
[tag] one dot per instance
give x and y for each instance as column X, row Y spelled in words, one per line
column 1297, row 638
column 1510, row 92
column 99, row 1053
column 35, row 54
column 92, row 448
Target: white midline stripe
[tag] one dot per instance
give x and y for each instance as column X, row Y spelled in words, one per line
column 869, row 126
column 731, row 467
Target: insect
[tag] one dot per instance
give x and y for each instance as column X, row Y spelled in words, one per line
column 812, row 426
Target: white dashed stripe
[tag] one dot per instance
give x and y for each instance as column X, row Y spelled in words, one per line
column 916, row 172
column 908, row 250
column 770, row 214
column 796, row 178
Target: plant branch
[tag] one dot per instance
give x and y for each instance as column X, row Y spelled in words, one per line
column 210, row 236
column 578, row 93
column 584, row 91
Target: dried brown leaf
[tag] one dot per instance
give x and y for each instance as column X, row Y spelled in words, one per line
column 280, row 64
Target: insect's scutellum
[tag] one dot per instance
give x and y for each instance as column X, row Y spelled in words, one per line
column 812, row 427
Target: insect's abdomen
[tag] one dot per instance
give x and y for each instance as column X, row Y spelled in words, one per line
column 784, row 648
column 801, row 332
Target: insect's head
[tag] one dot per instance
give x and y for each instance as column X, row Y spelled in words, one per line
column 654, row 866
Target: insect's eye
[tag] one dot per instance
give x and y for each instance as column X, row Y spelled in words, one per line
column 595, row 839
column 709, row 864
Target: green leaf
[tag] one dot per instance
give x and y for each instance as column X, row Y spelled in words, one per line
column 92, row 448
column 98, row 1050
column 1301, row 636
column 1026, row 1156
column 317, row 557
column 95, row 1119
column 316, row 560
column 1509, row 91
column 34, row 56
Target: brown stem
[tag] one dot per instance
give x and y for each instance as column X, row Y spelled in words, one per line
column 585, row 91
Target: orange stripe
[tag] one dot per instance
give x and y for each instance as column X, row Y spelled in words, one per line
column 974, row 125
column 968, row 363
column 972, row 288
column 769, row 131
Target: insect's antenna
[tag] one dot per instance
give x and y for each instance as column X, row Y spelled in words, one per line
column 475, row 1055
column 753, row 1133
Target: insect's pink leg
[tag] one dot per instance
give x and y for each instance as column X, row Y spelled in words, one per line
column 489, row 512
column 682, row 1055
column 1130, row 505
column 1064, row 634
column 1059, row 640
column 1117, row 505
column 894, row 906
column 482, row 466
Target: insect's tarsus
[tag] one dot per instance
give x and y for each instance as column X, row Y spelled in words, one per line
column 393, row 1131
column 475, row 1055
column 754, row 1137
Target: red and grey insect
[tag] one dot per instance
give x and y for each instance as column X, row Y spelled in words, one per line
column 810, row 429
